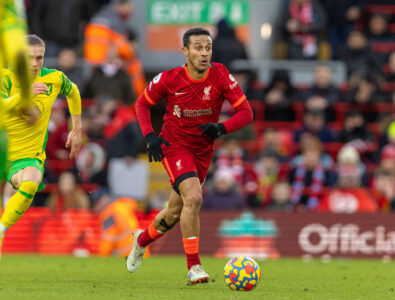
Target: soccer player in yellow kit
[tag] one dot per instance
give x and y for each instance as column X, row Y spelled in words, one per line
column 27, row 140
column 13, row 51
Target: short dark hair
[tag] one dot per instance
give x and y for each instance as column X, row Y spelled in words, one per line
column 194, row 31
column 35, row 40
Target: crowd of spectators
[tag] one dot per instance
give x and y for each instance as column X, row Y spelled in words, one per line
column 325, row 146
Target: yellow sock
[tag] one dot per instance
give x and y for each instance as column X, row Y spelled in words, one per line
column 19, row 203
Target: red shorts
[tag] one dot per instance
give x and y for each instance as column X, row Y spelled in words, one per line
column 181, row 163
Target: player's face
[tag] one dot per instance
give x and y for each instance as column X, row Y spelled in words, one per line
column 199, row 52
column 36, row 56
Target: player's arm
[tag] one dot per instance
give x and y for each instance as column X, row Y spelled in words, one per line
column 151, row 96
column 241, row 118
column 74, row 102
column 232, row 93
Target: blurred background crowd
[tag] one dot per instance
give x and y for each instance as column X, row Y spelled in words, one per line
column 326, row 144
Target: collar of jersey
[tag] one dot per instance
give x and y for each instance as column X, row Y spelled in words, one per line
column 196, row 80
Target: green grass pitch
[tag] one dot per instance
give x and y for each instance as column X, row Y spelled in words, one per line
column 35, row 277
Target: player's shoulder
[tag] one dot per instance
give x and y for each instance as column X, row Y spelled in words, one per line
column 168, row 75
column 219, row 68
column 49, row 72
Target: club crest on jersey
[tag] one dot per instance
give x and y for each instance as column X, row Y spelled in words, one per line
column 49, row 85
column 207, row 93
column 177, row 111
column 178, row 164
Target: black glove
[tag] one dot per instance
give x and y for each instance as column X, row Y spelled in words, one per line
column 213, row 130
column 153, row 145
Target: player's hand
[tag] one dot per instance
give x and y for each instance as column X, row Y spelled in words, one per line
column 155, row 152
column 39, row 88
column 213, row 130
column 74, row 141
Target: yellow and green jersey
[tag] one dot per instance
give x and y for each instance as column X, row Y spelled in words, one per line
column 26, row 140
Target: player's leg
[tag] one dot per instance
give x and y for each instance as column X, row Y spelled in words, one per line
column 162, row 223
column 191, row 193
column 14, row 44
column 26, row 181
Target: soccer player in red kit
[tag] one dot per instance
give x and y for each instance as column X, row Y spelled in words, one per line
column 194, row 94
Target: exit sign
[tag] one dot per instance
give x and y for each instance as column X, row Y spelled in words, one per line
column 197, row 11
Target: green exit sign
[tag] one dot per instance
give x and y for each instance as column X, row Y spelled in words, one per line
column 197, row 11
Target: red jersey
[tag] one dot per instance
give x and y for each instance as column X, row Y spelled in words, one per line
column 190, row 103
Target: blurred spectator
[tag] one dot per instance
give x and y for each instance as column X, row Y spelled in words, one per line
column 309, row 178
column 67, row 63
column 354, row 128
column 128, row 177
column 378, row 29
column 342, row 17
column 390, row 76
column 122, row 133
column 349, row 195
column 306, row 140
column 67, row 195
column 384, row 190
column 267, row 169
column 387, row 160
column 90, row 166
column 323, row 86
column 358, row 56
column 349, row 160
column 278, row 141
column 224, row 41
column 58, row 131
column 232, row 156
column 278, row 95
column 281, row 197
column 367, row 91
column 303, row 21
column 118, row 222
column 109, row 80
column 224, row 194
column 109, row 28
column 71, row 14
column 314, row 123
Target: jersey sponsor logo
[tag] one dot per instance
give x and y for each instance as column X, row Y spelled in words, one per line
column 179, row 93
column 234, row 82
column 192, row 113
column 207, row 93
column 178, row 164
column 177, row 111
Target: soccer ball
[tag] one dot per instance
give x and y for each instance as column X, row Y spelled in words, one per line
column 242, row 273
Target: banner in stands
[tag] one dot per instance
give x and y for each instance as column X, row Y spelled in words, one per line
column 273, row 235
column 223, row 234
column 169, row 19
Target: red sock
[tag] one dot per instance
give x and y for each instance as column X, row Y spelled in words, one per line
column 191, row 247
column 149, row 235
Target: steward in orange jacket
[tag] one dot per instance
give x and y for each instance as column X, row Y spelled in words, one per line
column 118, row 222
column 108, row 28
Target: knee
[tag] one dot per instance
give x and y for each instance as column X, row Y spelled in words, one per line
column 193, row 201
column 29, row 187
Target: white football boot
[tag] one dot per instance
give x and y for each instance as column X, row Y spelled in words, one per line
column 135, row 257
column 196, row 275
